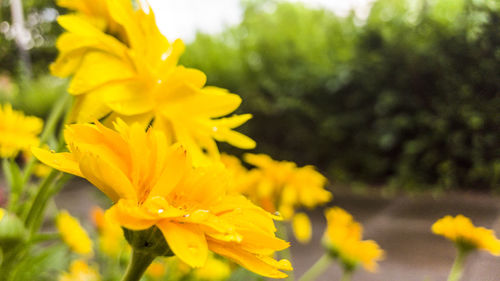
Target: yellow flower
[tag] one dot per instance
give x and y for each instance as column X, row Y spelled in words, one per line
column 156, row 185
column 466, row 236
column 214, row 270
column 2, row 213
column 282, row 186
column 156, row 270
column 19, row 132
column 73, row 234
column 138, row 80
column 111, row 239
column 80, row 271
column 343, row 240
column 301, row 226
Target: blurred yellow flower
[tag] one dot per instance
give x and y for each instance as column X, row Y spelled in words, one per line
column 466, row 236
column 2, row 213
column 139, row 80
column 343, row 240
column 80, row 271
column 73, row 234
column 19, row 132
column 214, row 270
column 156, row 185
column 302, row 228
column 282, row 186
column 156, row 270
column 111, row 239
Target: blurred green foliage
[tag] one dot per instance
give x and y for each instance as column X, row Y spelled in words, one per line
column 40, row 20
column 409, row 96
column 33, row 95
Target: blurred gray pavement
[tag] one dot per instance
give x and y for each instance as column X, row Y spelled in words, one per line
column 401, row 226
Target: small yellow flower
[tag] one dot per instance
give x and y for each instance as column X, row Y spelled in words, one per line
column 156, row 185
column 139, row 80
column 301, row 226
column 282, row 186
column 19, row 132
column 111, row 239
column 214, row 270
column 343, row 240
column 2, row 213
column 466, row 236
column 80, row 271
column 73, row 234
column 156, row 270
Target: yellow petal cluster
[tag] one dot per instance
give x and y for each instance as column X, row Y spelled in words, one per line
column 156, row 185
column 80, row 271
column 73, row 234
column 111, row 240
column 302, row 229
column 18, row 132
column 95, row 12
column 279, row 185
column 137, row 77
column 343, row 238
column 460, row 230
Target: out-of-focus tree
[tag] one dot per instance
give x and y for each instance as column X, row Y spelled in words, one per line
column 39, row 17
column 409, row 96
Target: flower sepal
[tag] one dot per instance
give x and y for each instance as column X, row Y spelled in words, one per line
column 150, row 240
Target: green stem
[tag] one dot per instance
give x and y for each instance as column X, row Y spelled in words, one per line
column 346, row 275
column 42, row 192
column 12, row 176
column 48, row 130
column 317, row 269
column 458, row 266
column 138, row 264
column 285, row 254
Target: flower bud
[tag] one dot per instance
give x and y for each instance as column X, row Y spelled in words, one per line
column 12, row 231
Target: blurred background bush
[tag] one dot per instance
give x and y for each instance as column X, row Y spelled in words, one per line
column 408, row 97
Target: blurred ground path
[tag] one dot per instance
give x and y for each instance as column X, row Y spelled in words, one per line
column 401, row 225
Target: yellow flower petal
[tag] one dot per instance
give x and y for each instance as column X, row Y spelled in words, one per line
column 60, row 161
column 259, row 264
column 96, row 69
column 302, row 228
column 187, row 241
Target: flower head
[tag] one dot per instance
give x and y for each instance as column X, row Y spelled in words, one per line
column 282, row 186
column 343, row 241
column 19, row 132
column 466, row 236
column 80, row 271
column 73, row 234
column 153, row 184
column 137, row 79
